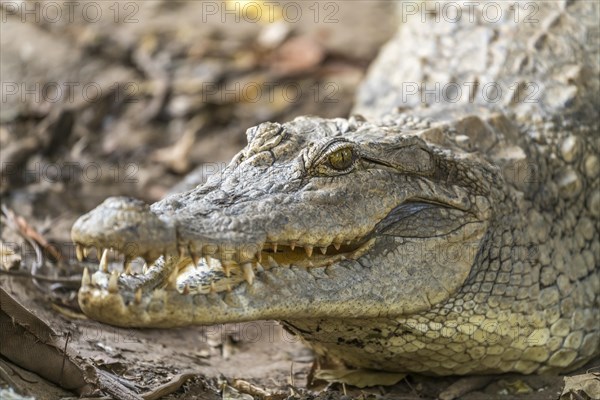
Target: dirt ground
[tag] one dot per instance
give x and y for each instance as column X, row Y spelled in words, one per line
column 104, row 98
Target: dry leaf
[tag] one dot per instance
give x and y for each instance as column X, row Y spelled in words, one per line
column 229, row 393
column 585, row 386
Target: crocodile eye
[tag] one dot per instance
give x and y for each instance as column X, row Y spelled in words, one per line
column 341, row 159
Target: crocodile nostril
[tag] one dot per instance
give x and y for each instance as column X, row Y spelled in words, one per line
column 125, row 204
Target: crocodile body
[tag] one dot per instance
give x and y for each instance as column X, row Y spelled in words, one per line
column 443, row 234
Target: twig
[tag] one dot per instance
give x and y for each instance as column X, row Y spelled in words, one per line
column 28, row 232
column 62, row 368
column 168, row 388
column 71, row 279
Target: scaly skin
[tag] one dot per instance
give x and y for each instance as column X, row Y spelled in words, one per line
column 455, row 239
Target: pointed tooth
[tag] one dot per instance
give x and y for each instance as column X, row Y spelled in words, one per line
column 186, row 289
column 79, row 252
column 86, row 251
column 210, row 262
column 323, row 250
column 272, row 262
column 310, row 264
column 85, row 279
column 195, row 259
column 213, row 287
column 309, row 250
column 195, row 256
column 104, row 261
column 228, row 287
column 172, row 284
column 259, row 254
column 113, row 282
column 127, row 266
column 145, row 268
column 227, row 265
column 259, row 267
column 274, row 247
column 348, row 242
column 138, row 296
column 248, row 272
column 292, row 245
column 337, row 245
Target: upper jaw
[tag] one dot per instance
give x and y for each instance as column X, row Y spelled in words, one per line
column 239, row 244
column 126, row 225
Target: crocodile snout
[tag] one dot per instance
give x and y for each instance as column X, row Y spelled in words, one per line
column 127, row 225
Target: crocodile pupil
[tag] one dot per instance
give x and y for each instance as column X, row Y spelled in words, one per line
column 341, row 159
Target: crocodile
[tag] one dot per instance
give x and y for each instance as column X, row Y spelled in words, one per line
column 444, row 233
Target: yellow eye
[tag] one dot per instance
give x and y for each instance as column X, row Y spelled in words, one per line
column 341, row 159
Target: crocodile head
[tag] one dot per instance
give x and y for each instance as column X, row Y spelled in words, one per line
column 314, row 218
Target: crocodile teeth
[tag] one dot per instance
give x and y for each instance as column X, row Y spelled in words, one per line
column 186, row 289
column 272, row 262
column 127, row 267
column 213, row 287
column 104, row 261
column 85, row 279
column 85, row 251
column 248, row 273
column 145, row 268
column 194, row 255
column 172, row 284
column 337, row 245
column 226, row 265
column 292, row 245
column 275, row 248
column 309, row 250
column 79, row 252
column 113, row 286
column 138, row 296
column 259, row 267
column 323, row 250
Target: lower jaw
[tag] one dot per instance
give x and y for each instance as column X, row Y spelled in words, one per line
column 145, row 296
